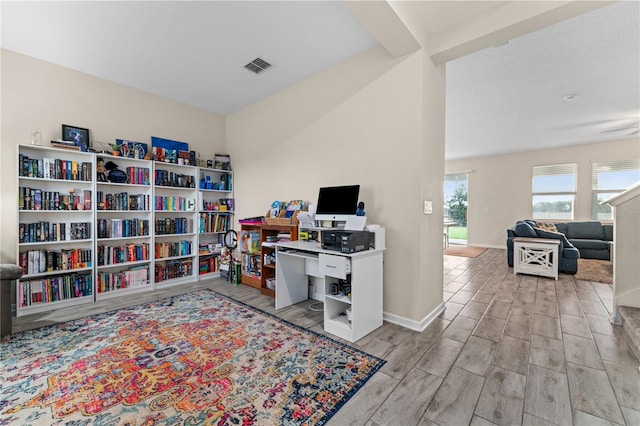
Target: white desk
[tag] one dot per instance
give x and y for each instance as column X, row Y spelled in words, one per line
column 297, row 260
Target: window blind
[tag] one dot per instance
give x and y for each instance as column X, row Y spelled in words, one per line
column 556, row 178
column 614, row 175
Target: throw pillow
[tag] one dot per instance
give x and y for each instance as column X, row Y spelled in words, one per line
column 523, row 229
column 547, row 226
column 542, row 233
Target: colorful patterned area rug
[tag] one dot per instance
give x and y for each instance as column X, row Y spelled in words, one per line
column 198, row 358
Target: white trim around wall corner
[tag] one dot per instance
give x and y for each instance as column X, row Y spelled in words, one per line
column 414, row 325
column 458, row 172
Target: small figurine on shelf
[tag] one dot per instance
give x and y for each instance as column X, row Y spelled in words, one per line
column 101, row 170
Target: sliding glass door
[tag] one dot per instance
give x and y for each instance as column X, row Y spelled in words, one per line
column 455, row 207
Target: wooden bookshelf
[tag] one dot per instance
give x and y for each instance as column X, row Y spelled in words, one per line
column 257, row 277
column 268, row 270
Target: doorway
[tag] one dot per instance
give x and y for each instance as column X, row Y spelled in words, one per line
column 456, row 186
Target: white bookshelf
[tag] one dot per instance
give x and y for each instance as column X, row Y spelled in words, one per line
column 56, row 196
column 175, row 217
column 215, row 217
column 125, row 238
column 124, row 220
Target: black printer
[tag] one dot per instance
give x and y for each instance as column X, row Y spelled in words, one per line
column 346, row 241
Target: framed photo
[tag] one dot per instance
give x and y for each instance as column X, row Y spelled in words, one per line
column 222, row 162
column 132, row 149
column 78, row 135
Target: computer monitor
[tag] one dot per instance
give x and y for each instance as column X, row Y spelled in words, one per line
column 337, row 203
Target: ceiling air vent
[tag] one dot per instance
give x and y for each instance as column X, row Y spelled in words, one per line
column 257, row 65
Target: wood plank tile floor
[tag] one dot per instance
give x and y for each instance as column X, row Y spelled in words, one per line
column 508, row 350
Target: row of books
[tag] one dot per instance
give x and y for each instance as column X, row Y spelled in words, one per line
column 173, row 269
column 52, row 289
column 172, row 249
column 137, row 175
column 251, row 265
column 250, row 242
column 111, row 255
column 222, row 205
column 176, row 225
column 211, row 264
column 172, row 179
column 172, row 204
column 40, row 261
column 209, row 248
column 119, row 228
column 53, row 168
column 37, row 199
column 36, row 232
column 122, row 201
column 213, row 222
column 110, row 281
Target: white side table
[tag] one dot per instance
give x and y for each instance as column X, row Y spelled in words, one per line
column 536, row 256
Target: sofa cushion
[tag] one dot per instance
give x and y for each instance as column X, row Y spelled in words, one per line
column 523, row 229
column 541, row 233
column 608, row 231
column 590, row 244
column 585, row 231
column 561, row 227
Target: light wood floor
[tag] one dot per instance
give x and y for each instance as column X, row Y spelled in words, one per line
column 508, row 350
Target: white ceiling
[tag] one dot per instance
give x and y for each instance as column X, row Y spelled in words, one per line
column 190, row 51
column 503, row 99
column 510, row 98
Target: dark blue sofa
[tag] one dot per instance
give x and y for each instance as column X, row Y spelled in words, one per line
column 589, row 240
column 592, row 239
column 569, row 255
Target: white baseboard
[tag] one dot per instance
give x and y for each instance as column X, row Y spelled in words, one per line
column 413, row 324
column 492, row 246
column 629, row 298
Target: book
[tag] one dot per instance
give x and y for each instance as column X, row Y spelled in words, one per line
column 222, row 162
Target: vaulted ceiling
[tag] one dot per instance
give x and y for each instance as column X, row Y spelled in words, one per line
column 569, row 83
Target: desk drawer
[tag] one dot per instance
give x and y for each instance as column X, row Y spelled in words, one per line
column 334, row 266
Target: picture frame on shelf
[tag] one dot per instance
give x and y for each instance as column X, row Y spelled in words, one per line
column 131, row 149
column 222, row 162
column 184, row 157
column 79, row 136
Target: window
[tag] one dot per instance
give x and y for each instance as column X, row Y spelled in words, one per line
column 554, row 191
column 609, row 178
column 456, row 187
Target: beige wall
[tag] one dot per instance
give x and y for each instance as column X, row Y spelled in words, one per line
column 39, row 94
column 376, row 121
column 500, row 186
